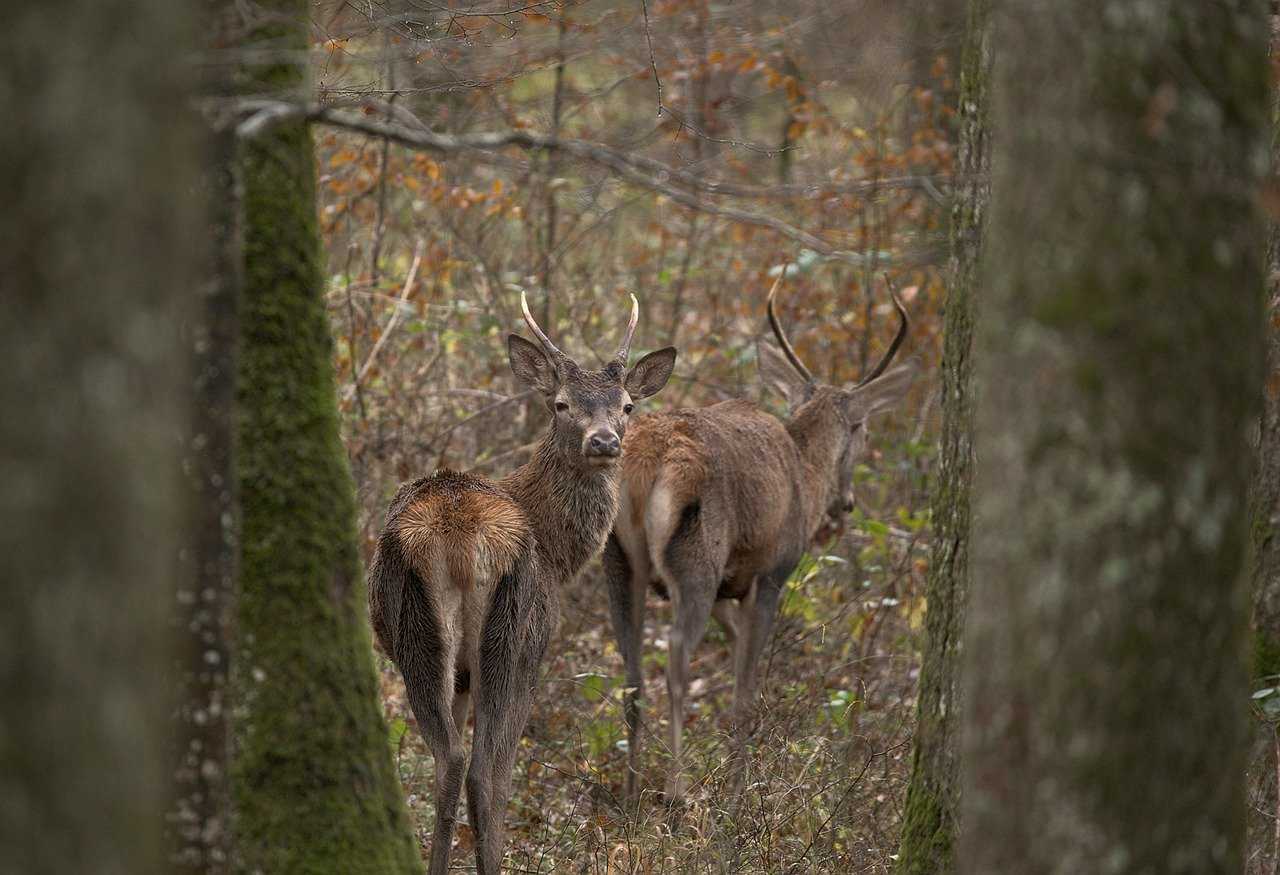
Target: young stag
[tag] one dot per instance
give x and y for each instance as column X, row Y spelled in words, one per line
column 718, row 504
column 463, row 586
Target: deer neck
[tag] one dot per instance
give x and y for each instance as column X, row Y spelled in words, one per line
column 570, row 506
column 817, row 428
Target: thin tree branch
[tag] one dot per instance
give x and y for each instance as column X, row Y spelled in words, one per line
column 630, row 168
column 391, row 324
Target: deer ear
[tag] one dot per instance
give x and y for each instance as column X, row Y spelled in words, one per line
column 531, row 365
column 780, row 376
column 651, row 373
column 883, row 392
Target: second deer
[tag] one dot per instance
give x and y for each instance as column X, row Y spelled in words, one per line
column 718, row 505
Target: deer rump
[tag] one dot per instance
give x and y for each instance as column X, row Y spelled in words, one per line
column 451, row 581
column 715, row 486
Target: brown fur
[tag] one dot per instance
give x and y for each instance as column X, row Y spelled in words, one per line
column 720, row 503
column 478, row 531
column 463, row 586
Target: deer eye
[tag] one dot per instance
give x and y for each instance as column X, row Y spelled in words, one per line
column 627, row 408
column 561, row 406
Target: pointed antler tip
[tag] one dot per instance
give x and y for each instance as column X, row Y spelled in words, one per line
column 625, row 348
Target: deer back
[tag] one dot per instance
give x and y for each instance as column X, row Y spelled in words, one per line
column 733, row 465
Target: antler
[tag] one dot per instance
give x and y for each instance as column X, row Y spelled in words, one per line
column 625, row 349
column 903, row 323
column 781, row 335
column 553, row 352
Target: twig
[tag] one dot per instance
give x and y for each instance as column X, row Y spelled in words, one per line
column 391, row 324
column 638, row 171
column 1275, row 856
column 653, row 61
column 351, row 318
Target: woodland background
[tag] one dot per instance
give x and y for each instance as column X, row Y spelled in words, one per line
column 260, row 262
column 836, row 118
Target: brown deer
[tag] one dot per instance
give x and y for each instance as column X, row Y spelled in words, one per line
column 718, row 504
column 463, row 585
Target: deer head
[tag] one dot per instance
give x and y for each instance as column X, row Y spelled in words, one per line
column 590, row 408
column 847, row 409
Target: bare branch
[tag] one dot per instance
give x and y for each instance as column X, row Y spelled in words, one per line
column 643, row 172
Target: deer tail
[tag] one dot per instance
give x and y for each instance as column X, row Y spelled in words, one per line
column 672, row 506
column 389, row 574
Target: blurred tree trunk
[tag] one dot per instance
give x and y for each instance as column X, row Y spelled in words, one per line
column 929, row 825
column 199, row 821
column 1119, row 355
column 314, row 786
column 1266, row 494
column 96, row 255
column 1264, row 841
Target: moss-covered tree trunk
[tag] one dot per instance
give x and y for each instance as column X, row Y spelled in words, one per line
column 929, row 825
column 1119, row 357
column 315, row 788
column 95, row 263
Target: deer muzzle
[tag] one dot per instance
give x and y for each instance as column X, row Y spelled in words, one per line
column 602, row 447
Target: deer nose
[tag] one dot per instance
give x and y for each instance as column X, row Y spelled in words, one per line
column 846, row 506
column 604, row 443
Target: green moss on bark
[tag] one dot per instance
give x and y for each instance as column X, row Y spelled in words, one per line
column 314, row 784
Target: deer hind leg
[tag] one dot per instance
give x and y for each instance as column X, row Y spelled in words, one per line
column 516, row 630
column 427, row 661
column 757, row 614
column 692, row 580
column 627, row 576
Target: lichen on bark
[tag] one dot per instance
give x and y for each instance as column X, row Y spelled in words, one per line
column 930, row 818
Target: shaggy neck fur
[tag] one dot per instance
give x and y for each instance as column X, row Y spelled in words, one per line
column 570, row 505
column 818, row 429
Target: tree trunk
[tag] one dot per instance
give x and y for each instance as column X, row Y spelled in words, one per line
column 1264, row 840
column 96, row 256
column 1266, row 491
column 1119, row 355
column 199, row 821
column 315, row 789
column 929, row 825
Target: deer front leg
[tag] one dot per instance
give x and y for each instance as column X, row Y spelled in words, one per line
column 726, row 612
column 628, row 581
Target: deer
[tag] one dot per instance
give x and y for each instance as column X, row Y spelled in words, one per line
column 718, row 505
column 463, row 586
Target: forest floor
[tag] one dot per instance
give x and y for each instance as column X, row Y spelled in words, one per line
column 829, row 755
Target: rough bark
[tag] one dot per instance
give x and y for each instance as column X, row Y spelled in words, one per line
column 929, row 823
column 314, row 786
column 199, row 818
column 1266, row 492
column 1264, row 839
column 1119, row 359
column 95, row 255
